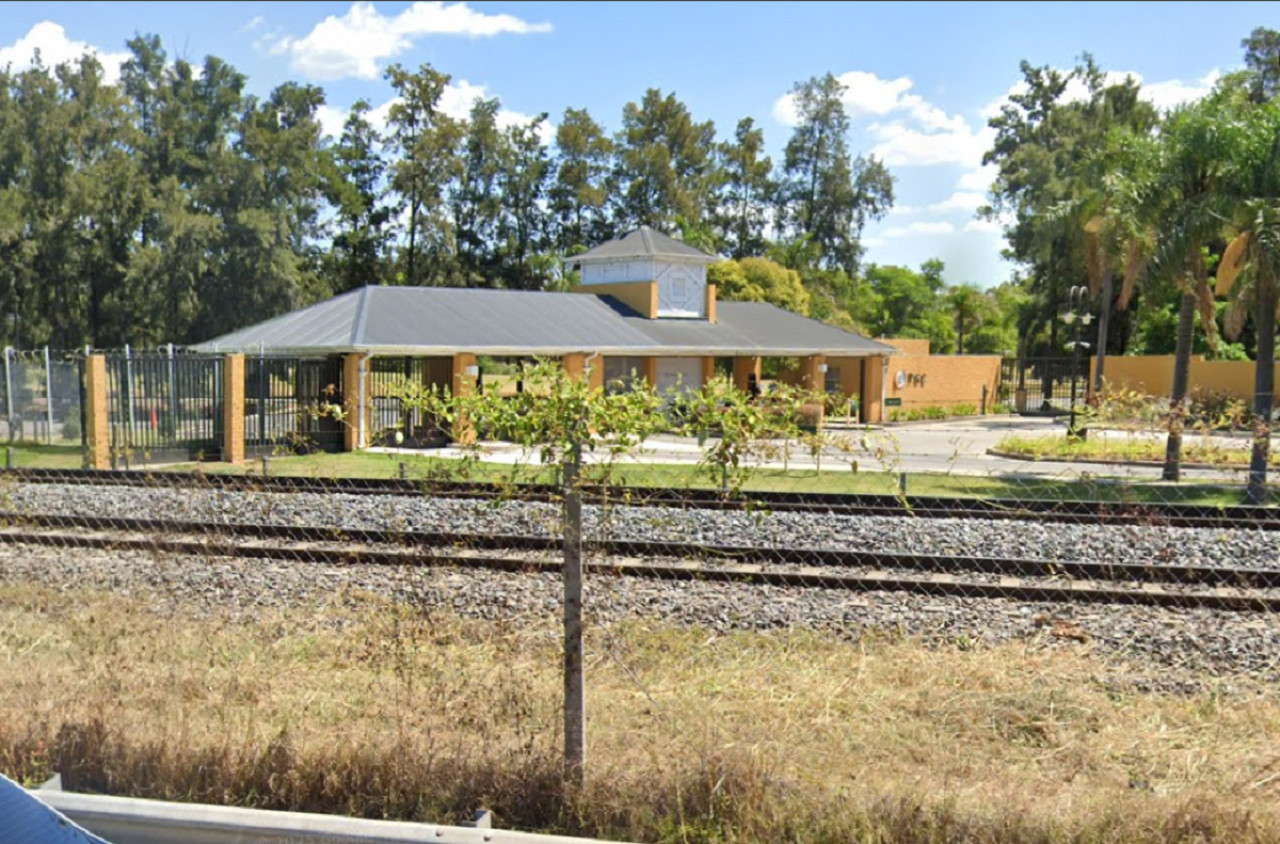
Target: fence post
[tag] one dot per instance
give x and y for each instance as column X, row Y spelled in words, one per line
column 575, row 715
column 984, row 400
column 128, row 394
column 97, row 420
column 173, row 394
column 8, row 388
column 48, row 392
column 233, row 408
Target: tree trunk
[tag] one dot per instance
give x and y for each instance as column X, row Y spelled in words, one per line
column 1178, row 396
column 1104, row 325
column 575, row 719
column 1263, row 392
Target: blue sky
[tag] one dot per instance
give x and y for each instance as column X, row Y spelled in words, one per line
column 922, row 77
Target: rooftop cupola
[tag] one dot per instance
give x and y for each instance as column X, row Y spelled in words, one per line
column 655, row 274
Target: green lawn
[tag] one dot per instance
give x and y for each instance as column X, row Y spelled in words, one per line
column 1130, row 449
column 842, row 480
column 32, row 456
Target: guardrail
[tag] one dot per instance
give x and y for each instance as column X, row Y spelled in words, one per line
column 126, row 820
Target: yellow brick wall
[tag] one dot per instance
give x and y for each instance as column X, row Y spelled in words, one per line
column 233, row 409
column 939, row 380
column 640, row 296
column 97, row 420
column 1153, row 375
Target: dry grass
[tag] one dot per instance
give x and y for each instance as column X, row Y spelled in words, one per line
column 363, row 707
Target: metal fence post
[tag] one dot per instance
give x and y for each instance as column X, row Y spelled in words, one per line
column 173, row 396
column 48, row 392
column 128, row 393
column 8, row 388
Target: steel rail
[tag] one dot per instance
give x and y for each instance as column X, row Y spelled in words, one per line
column 1221, row 588
column 995, row 508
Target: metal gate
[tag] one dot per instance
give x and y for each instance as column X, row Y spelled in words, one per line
column 165, row 407
column 1042, row 386
column 288, row 404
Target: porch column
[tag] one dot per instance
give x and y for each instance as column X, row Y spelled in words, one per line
column 351, row 408
column 708, row 370
column 873, row 390
column 651, row 372
column 463, row 384
column 811, row 375
column 743, row 369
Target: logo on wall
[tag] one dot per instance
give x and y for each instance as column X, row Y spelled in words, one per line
column 915, row 379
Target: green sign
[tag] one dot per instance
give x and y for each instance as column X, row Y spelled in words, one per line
column 893, row 402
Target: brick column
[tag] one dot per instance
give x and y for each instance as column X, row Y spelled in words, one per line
column 873, row 390
column 463, row 385
column 811, row 376
column 97, row 428
column 595, row 371
column 743, row 368
column 233, row 408
column 575, row 366
column 651, row 372
column 351, row 409
column 708, row 370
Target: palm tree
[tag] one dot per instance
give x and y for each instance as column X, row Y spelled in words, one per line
column 1250, row 273
column 966, row 301
column 1186, row 205
column 1118, row 234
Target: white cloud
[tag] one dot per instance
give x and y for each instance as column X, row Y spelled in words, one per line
column 455, row 101
column 961, row 201
column 355, row 43
column 254, row 23
column 984, row 226
column 55, row 48
column 1163, row 95
column 919, row 228
column 979, row 179
column 907, row 129
column 904, row 210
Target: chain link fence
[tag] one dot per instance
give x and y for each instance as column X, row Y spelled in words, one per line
column 889, row 633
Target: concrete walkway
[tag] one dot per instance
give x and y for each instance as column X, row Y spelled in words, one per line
column 953, row 447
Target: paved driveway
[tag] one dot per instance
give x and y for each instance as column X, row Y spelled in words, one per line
column 953, row 446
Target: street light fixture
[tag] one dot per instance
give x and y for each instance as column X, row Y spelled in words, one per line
column 1077, row 298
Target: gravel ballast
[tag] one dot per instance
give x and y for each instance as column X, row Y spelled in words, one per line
column 1171, row 647
column 891, row 534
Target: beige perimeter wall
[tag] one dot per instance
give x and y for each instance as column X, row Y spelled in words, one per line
column 938, row 380
column 1153, row 375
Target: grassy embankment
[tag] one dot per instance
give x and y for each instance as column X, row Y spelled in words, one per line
column 354, row 705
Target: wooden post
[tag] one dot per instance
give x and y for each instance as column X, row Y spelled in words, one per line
column 233, row 408
column 575, row 704
column 708, row 370
column 97, row 422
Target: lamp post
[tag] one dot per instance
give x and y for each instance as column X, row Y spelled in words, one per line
column 1077, row 298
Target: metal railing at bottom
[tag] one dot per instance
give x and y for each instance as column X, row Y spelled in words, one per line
column 125, row 820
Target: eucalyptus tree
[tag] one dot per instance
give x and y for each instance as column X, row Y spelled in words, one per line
column 663, row 163
column 524, row 172
column 746, row 191
column 579, row 196
column 827, row 193
column 364, row 220
column 425, row 142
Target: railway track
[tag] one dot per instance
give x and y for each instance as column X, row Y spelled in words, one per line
column 1167, row 584
column 1039, row 510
